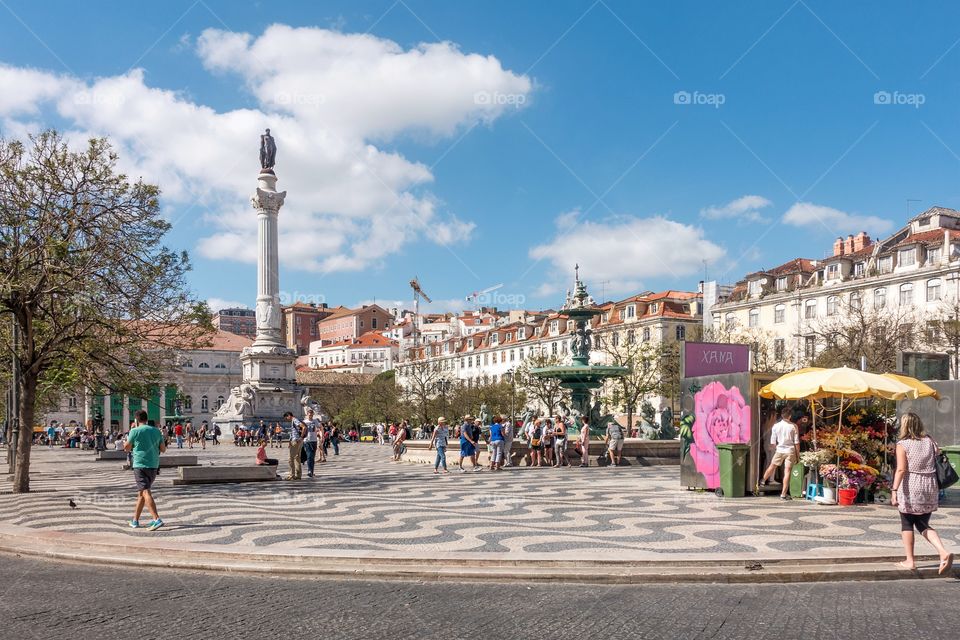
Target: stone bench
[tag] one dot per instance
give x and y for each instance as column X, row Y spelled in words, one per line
column 111, row 454
column 174, row 460
column 214, row 475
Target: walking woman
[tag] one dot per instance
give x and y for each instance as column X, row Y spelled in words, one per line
column 915, row 489
column 439, row 440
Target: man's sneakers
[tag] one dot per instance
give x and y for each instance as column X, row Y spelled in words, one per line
column 786, row 497
column 156, row 524
column 134, row 524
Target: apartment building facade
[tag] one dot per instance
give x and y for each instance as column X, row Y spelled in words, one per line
column 914, row 272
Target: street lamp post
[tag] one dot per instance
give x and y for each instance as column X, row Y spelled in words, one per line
column 14, row 399
column 513, row 392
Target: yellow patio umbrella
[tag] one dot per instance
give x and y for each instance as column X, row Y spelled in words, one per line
column 842, row 382
column 923, row 390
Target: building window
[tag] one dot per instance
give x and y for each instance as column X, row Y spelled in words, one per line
column 933, row 290
column 907, row 257
column 754, row 287
column 906, row 337
column 495, row 338
column 615, row 339
column 554, row 326
column 933, row 255
column 219, row 365
column 730, row 321
column 833, row 271
column 203, row 365
column 782, row 283
column 373, row 323
column 879, row 298
column 859, row 269
column 655, row 307
column 188, row 403
column 778, row 349
column 72, row 402
column 681, row 332
column 885, row 264
column 809, row 346
column 754, row 318
column 810, row 309
column 631, row 336
column 631, row 310
column 855, row 300
column 906, row 294
column 832, row 303
column 553, row 348
column 646, row 334
column 779, row 313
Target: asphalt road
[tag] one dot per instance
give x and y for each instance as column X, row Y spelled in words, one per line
column 42, row 599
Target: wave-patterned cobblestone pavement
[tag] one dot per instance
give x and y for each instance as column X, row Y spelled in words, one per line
column 361, row 500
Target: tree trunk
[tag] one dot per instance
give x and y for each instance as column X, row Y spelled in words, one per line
column 28, row 397
column 629, row 420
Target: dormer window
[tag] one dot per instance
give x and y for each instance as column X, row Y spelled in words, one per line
column 509, row 337
column 554, row 326
column 859, row 268
column 470, row 343
column 495, row 339
column 907, row 257
column 631, row 310
column 521, row 334
column 933, row 255
column 782, row 283
column 833, row 271
column 885, row 264
column 754, row 287
column 655, row 307
column 477, row 321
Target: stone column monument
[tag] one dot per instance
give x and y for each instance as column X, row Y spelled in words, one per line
column 269, row 387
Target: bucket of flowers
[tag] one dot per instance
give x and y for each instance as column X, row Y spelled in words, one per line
column 848, row 478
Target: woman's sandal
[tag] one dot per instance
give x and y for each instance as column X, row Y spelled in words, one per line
column 946, row 565
column 904, row 565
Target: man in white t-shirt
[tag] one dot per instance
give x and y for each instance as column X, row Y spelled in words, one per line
column 784, row 435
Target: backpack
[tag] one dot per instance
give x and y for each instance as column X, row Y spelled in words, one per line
column 216, row 430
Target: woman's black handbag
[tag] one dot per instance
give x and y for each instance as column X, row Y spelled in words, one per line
column 946, row 474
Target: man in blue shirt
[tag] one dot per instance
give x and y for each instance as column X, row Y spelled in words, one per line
column 145, row 443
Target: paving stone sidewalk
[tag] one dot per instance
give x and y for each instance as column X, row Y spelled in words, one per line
column 362, row 501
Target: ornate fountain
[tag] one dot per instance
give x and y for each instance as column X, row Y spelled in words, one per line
column 581, row 377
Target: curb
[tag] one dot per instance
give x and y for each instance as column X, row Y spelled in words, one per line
column 120, row 551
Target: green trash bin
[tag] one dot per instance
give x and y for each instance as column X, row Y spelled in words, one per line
column 733, row 469
column 953, row 455
column 798, row 480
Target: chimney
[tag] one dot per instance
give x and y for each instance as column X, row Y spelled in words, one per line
column 848, row 245
column 860, row 241
column 838, row 247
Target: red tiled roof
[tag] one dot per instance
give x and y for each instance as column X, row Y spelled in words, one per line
column 933, row 237
column 225, row 341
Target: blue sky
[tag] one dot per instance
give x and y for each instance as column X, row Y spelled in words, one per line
column 472, row 144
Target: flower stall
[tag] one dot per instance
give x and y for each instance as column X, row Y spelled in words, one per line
column 851, row 455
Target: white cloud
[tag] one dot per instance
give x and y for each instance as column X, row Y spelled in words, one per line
column 743, row 208
column 626, row 251
column 804, row 214
column 216, row 304
column 327, row 97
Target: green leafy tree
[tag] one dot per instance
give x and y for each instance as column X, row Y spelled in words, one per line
column 96, row 298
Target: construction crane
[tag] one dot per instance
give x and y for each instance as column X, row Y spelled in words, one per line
column 473, row 297
column 417, row 294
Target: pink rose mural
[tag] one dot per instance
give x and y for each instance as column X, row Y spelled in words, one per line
column 721, row 416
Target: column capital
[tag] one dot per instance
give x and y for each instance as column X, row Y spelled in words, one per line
column 265, row 200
